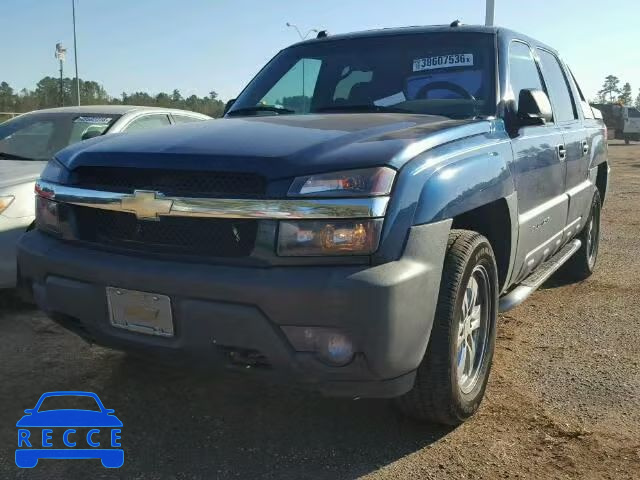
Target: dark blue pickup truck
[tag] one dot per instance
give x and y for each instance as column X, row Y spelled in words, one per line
column 367, row 206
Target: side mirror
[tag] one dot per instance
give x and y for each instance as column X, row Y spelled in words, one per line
column 228, row 105
column 534, row 107
column 29, row 411
column 91, row 134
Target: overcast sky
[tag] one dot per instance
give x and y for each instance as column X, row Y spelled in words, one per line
column 203, row 45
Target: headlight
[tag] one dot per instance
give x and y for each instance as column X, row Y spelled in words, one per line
column 5, row 202
column 308, row 238
column 366, row 182
column 47, row 215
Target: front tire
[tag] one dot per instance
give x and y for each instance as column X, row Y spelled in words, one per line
column 452, row 377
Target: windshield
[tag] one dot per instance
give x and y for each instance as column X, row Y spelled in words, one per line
column 38, row 136
column 449, row 74
column 66, row 402
column 634, row 113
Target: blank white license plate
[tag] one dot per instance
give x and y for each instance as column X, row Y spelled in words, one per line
column 141, row 312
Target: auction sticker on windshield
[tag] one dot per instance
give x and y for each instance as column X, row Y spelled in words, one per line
column 443, row 61
column 101, row 120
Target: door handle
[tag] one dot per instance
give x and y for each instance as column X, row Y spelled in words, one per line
column 585, row 148
column 562, row 153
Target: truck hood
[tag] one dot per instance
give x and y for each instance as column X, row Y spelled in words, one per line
column 275, row 146
column 15, row 172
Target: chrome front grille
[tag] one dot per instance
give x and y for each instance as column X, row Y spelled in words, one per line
column 202, row 237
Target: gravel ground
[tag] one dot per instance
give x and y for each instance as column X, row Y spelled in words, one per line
column 563, row 400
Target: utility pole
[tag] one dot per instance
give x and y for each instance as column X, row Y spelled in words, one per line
column 75, row 50
column 60, row 54
column 490, row 13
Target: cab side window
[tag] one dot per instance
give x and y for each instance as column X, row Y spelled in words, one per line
column 523, row 72
column 185, row 119
column 556, row 80
column 584, row 105
column 148, row 122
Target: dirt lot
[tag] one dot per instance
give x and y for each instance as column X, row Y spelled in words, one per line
column 563, row 400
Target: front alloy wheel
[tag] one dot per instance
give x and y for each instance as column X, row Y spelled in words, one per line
column 451, row 380
column 473, row 329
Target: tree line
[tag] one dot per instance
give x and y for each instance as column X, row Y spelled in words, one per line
column 612, row 92
column 48, row 93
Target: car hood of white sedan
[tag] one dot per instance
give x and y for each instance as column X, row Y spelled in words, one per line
column 15, row 172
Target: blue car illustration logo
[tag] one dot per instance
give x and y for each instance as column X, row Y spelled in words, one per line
column 40, row 427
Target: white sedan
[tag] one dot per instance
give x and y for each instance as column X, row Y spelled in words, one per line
column 28, row 141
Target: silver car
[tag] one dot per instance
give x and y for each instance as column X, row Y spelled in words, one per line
column 28, row 141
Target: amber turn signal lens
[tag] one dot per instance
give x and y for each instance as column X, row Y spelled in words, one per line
column 5, row 202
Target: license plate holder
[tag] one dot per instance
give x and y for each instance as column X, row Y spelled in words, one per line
column 142, row 312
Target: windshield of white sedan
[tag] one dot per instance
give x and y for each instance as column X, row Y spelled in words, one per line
column 38, row 136
column 436, row 74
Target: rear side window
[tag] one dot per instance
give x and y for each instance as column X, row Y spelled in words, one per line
column 523, row 72
column 148, row 122
column 584, row 105
column 185, row 119
column 561, row 98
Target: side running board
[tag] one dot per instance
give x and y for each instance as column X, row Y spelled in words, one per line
column 540, row 275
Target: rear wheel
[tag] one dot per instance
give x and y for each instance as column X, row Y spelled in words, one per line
column 452, row 377
column 583, row 262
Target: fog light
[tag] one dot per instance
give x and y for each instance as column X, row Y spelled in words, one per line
column 338, row 349
column 332, row 346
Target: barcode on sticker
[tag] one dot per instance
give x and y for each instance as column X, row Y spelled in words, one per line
column 443, row 61
column 101, row 120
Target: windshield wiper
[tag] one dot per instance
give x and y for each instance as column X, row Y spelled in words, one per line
column 260, row 108
column 365, row 108
column 11, row 156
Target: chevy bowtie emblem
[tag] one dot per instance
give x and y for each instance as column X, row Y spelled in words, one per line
column 147, row 205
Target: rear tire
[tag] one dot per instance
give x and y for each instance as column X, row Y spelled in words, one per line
column 582, row 264
column 452, row 377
